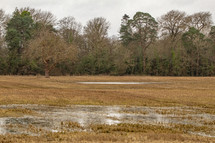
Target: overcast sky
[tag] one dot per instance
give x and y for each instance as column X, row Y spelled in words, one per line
column 112, row 10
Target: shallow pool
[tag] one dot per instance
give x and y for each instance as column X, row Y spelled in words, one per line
column 52, row 118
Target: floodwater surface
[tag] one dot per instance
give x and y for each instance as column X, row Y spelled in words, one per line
column 57, row 119
column 119, row 83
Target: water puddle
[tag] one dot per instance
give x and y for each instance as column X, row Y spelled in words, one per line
column 119, row 83
column 79, row 118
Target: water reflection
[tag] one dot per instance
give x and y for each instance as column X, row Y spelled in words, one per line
column 2, row 123
column 51, row 118
column 118, row 83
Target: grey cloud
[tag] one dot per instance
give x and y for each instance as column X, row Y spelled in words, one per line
column 112, row 10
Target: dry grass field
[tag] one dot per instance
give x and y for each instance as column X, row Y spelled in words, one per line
column 65, row 91
column 174, row 91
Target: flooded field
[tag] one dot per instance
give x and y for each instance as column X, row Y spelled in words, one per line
column 44, row 119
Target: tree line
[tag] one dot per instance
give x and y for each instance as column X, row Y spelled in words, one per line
column 34, row 42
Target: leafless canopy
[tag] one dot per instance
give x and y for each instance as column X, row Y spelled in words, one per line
column 3, row 21
column 69, row 28
column 201, row 21
column 49, row 49
column 96, row 31
column 43, row 17
column 173, row 23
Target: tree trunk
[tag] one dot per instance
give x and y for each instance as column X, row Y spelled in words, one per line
column 144, row 64
column 47, row 71
column 198, row 63
column 144, row 61
column 197, row 69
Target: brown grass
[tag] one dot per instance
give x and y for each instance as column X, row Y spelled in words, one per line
column 62, row 91
column 118, row 137
column 178, row 91
column 15, row 112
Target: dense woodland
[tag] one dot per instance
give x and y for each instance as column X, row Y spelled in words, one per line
column 34, row 42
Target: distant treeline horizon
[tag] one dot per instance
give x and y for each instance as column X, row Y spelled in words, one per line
column 33, row 41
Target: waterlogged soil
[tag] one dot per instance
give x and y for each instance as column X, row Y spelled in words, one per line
column 198, row 121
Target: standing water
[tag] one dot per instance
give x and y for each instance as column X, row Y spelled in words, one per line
column 52, row 118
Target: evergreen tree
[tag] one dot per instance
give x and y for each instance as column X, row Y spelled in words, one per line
column 195, row 45
column 142, row 29
column 125, row 30
column 19, row 31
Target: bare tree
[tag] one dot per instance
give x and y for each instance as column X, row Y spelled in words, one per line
column 96, row 32
column 201, row 21
column 69, row 29
column 172, row 24
column 4, row 18
column 49, row 49
column 44, row 17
